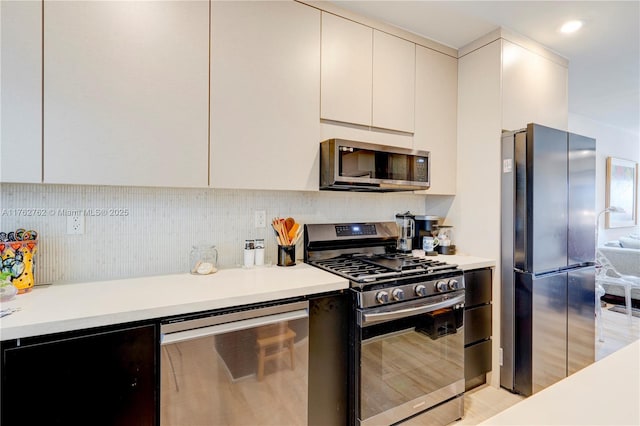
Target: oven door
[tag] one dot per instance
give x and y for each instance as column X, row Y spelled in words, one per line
column 409, row 357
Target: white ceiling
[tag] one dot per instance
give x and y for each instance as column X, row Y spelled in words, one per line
column 604, row 56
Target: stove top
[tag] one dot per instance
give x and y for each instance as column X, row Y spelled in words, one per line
column 369, row 268
column 365, row 254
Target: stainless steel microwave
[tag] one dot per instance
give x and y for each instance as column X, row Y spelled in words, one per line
column 360, row 166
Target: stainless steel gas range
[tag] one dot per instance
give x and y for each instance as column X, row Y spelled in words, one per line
column 406, row 332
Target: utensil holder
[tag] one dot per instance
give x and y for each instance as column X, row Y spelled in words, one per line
column 286, row 255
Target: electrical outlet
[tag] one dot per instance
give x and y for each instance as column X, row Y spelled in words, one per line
column 75, row 224
column 261, row 219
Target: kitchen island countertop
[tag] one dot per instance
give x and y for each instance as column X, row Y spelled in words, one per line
column 604, row 393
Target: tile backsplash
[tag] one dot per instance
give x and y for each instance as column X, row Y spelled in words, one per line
column 132, row 231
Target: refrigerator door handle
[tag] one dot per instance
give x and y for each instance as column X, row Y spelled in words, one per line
column 578, row 266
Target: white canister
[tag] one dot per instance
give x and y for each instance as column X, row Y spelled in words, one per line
column 259, row 252
column 249, row 253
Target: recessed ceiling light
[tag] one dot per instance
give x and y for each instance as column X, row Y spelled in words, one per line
column 571, row 27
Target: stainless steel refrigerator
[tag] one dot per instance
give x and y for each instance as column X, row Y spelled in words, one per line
column 548, row 251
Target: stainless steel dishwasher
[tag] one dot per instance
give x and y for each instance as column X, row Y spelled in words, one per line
column 240, row 367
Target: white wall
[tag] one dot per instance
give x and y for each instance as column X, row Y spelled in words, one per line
column 610, row 142
column 163, row 223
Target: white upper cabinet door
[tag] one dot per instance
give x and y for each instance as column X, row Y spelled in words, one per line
column 394, row 68
column 534, row 89
column 436, row 116
column 21, row 88
column 346, row 85
column 265, row 69
column 126, row 92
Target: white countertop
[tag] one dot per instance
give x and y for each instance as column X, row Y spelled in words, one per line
column 64, row 307
column 466, row 262
column 606, row 392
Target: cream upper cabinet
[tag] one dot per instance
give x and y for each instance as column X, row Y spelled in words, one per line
column 394, row 72
column 126, row 93
column 534, row 89
column 436, row 116
column 265, row 69
column 21, row 88
column 367, row 77
column 346, row 77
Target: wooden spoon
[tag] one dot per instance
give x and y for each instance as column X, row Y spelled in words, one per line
column 288, row 223
column 293, row 231
column 279, row 226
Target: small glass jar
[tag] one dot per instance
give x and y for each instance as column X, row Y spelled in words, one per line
column 7, row 291
column 203, row 259
column 445, row 235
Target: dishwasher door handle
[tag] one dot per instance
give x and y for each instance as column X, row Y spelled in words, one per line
column 197, row 333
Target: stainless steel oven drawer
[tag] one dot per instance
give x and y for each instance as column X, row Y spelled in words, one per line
column 442, row 414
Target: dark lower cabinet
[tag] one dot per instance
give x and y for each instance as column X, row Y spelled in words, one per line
column 477, row 362
column 94, row 377
column 328, row 349
column 477, row 326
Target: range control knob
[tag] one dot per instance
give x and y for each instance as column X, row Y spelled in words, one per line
column 453, row 284
column 382, row 297
column 442, row 286
column 420, row 290
column 397, row 294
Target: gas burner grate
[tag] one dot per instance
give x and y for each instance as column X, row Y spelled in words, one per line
column 372, row 268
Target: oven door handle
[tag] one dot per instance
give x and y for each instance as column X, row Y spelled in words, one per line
column 374, row 318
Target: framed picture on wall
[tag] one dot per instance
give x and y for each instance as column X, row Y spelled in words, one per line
column 622, row 193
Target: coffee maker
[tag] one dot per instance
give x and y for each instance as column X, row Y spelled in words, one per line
column 406, row 231
column 426, row 226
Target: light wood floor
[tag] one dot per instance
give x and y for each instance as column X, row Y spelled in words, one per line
column 617, row 332
column 486, row 401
